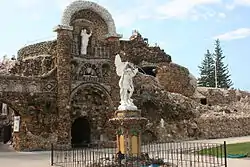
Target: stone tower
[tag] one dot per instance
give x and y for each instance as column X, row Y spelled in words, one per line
column 86, row 44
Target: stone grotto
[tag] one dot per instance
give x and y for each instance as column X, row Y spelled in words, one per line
column 55, row 88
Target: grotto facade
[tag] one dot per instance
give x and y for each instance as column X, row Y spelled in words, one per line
column 65, row 90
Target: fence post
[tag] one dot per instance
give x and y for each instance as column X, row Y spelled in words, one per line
column 225, row 153
column 52, row 155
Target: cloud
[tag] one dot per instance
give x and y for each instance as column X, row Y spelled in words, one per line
column 236, row 3
column 125, row 14
column 242, row 2
column 27, row 4
column 63, row 3
column 222, row 15
column 235, row 34
column 230, row 6
column 187, row 8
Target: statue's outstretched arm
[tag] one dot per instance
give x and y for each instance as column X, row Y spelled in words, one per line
column 135, row 71
column 90, row 33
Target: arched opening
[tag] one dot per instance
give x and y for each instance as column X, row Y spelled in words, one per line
column 105, row 70
column 77, row 6
column 7, row 133
column 87, row 100
column 80, row 132
column 7, row 114
column 148, row 70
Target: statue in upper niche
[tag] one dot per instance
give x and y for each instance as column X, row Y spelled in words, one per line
column 85, row 40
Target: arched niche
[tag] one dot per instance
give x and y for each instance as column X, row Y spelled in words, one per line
column 92, row 101
column 106, row 70
column 13, row 107
column 79, row 5
column 6, row 122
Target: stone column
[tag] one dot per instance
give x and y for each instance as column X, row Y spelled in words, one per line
column 113, row 44
column 64, row 49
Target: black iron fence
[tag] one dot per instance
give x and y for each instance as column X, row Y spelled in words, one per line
column 178, row 154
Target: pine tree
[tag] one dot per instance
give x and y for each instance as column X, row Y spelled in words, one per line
column 222, row 71
column 207, row 77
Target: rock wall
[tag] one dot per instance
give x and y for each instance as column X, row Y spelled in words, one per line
column 222, row 96
column 175, row 78
column 36, row 60
column 64, row 45
column 223, row 126
column 206, row 122
column 138, row 52
column 42, row 48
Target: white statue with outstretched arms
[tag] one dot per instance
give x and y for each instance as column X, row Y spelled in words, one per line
column 85, row 41
column 126, row 71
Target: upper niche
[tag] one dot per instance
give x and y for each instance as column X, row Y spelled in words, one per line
column 91, row 21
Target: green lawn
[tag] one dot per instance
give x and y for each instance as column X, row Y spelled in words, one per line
column 232, row 149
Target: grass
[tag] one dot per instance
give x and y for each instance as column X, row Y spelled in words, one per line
column 232, row 149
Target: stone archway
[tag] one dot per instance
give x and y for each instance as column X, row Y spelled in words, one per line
column 79, row 5
column 80, row 132
column 94, row 102
column 6, row 122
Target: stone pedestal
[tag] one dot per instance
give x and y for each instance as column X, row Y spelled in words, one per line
column 128, row 124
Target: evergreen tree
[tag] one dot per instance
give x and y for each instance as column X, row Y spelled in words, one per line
column 207, row 77
column 222, row 71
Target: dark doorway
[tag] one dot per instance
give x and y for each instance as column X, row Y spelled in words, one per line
column 7, row 133
column 148, row 70
column 80, row 132
column 203, row 101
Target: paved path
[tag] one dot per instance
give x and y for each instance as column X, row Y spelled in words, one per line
column 10, row 158
column 16, row 159
column 5, row 148
column 231, row 140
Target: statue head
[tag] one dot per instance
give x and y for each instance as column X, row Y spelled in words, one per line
column 84, row 30
column 135, row 32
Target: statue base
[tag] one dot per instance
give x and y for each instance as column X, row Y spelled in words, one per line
column 123, row 107
column 129, row 124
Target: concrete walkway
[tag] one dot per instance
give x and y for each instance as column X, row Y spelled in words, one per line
column 10, row 158
column 230, row 140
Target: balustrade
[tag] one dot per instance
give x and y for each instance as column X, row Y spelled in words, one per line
column 93, row 52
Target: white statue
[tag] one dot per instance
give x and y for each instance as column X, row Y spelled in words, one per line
column 4, row 109
column 6, row 65
column 162, row 122
column 126, row 71
column 85, row 40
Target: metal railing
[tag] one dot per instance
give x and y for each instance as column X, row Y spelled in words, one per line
column 177, row 154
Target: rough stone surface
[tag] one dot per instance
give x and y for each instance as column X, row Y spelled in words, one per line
column 64, row 38
column 139, row 53
column 175, row 78
column 52, row 86
column 222, row 96
column 77, row 6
